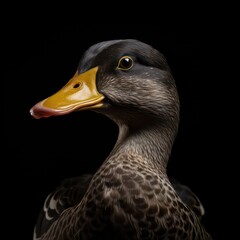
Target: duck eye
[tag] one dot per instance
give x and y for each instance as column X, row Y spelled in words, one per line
column 125, row 63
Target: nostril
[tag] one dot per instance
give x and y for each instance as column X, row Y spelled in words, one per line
column 76, row 85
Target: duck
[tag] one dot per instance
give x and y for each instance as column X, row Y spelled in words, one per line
column 130, row 196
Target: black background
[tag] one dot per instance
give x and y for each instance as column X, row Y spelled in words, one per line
column 40, row 58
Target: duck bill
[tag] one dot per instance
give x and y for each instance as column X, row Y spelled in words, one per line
column 79, row 93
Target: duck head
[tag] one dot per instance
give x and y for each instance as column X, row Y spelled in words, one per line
column 127, row 80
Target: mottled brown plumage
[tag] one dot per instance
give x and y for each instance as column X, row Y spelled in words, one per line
column 130, row 196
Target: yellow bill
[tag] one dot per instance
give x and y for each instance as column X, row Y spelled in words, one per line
column 78, row 94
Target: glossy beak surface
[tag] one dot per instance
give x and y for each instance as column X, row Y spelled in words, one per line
column 79, row 93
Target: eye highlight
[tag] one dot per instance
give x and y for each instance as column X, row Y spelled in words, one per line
column 125, row 63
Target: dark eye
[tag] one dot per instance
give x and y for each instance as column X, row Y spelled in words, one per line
column 125, row 63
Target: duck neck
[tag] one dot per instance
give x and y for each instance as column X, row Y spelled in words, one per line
column 150, row 141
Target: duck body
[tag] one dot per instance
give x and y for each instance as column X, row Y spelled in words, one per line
column 130, row 196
